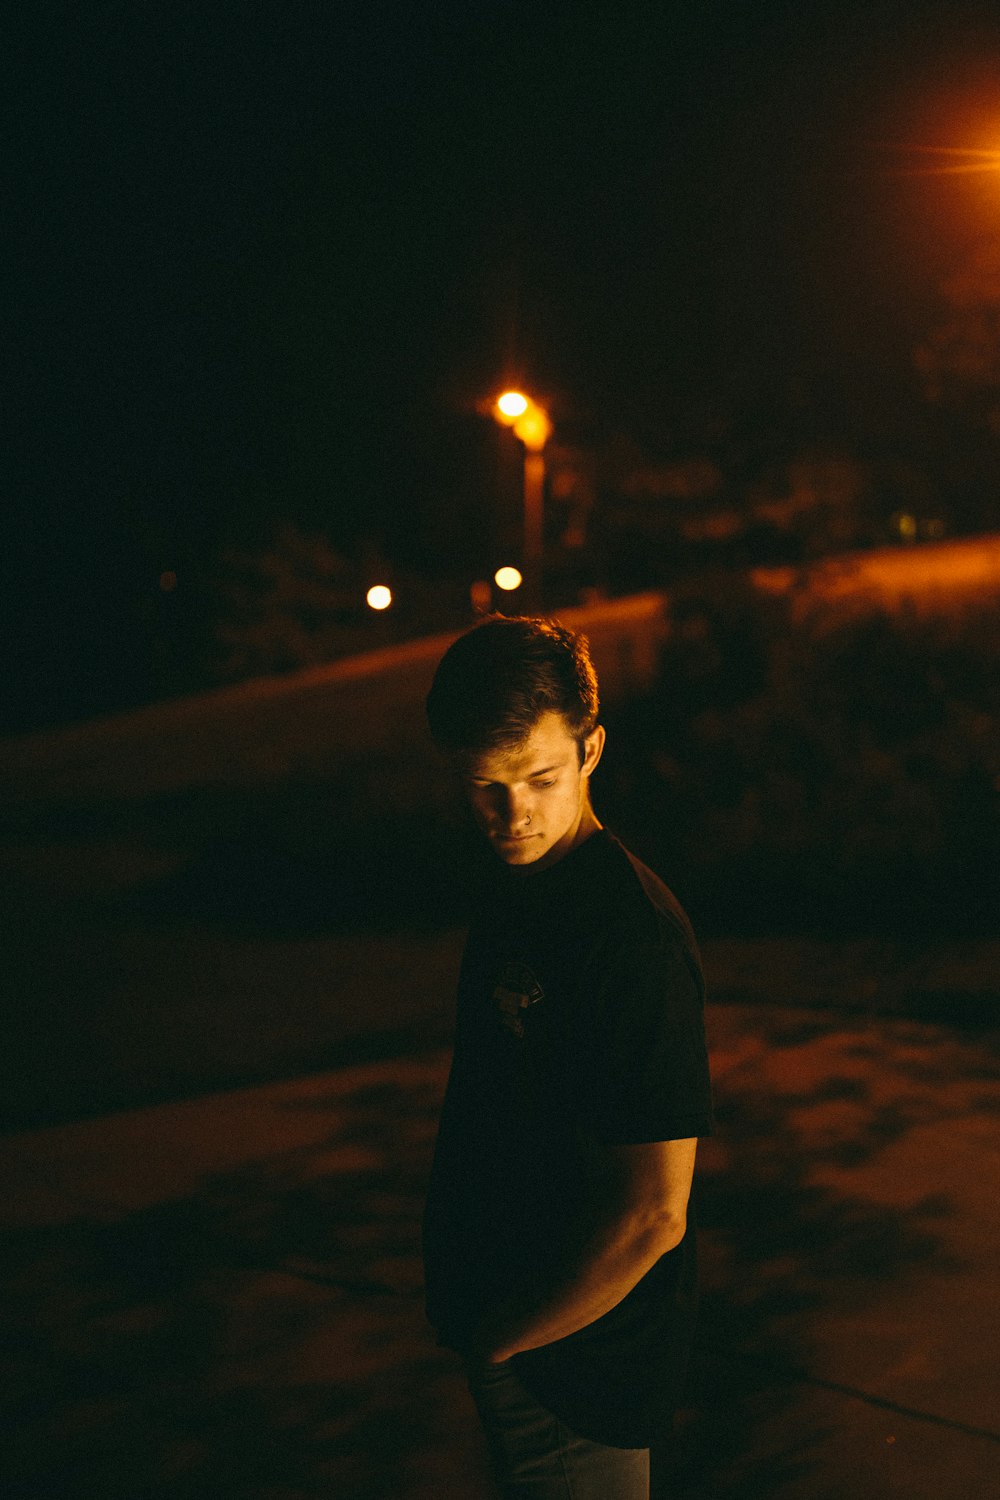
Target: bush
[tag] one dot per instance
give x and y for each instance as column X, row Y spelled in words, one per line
column 836, row 770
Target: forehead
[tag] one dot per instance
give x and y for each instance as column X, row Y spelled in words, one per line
column 549, row 743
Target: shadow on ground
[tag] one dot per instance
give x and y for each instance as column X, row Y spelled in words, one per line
column 262, row 1337
column 781, row 1247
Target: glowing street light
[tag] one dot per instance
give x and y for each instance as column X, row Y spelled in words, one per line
column 511, row 405
column 507, row 578
column 529, row 420
column 379, row 597
column 533, row 428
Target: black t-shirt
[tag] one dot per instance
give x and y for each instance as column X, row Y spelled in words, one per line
column 579, row 1024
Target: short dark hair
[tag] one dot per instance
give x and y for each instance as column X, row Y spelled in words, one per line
column 496, row 680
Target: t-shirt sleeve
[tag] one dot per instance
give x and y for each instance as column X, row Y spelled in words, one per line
column 646, row 1074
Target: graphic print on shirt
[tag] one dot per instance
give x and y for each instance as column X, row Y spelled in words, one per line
column 515, row 990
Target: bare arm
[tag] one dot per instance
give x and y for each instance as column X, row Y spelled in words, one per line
column 639, row 1214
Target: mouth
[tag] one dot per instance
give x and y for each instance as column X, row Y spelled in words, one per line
column 514, row 838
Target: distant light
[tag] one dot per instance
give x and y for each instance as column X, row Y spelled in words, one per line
column 507, row 578
column 512, row 404
column 168, row 581
column 379, row 597
column 480, row 596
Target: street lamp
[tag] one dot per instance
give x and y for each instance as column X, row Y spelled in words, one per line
column 378, row 597
column 511, row 405
column 507, row 579
column 530, row 423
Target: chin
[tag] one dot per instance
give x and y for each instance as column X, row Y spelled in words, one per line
column 524, row 853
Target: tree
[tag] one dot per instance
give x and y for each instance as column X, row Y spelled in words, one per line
column 292, row 603
column 959, row 359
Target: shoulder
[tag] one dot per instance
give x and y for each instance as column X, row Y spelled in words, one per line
column 641, row 908
column 644, row 961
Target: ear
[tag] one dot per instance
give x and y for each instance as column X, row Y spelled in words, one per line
column 593, row 750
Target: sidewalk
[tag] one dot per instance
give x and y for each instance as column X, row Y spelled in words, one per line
column 220, row 1297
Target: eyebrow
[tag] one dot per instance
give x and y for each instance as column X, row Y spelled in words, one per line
column 533, row 776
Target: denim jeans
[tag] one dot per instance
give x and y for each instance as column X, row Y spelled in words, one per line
column 535, row 1455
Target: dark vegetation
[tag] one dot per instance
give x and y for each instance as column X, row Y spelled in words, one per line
column 800, row 766
column 804, row 765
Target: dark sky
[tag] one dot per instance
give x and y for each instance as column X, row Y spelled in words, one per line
column 267, row 258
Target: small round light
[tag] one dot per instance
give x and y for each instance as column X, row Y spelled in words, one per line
column 512, row 404
column 480, row 596
column 168, row 581
column 379, row 597
column 507, row 578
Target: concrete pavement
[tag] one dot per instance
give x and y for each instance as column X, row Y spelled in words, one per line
column 220, row 1297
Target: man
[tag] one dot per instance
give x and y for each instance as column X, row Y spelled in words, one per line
column 558, row 1246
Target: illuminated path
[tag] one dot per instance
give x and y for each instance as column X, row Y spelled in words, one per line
column 222, row 1295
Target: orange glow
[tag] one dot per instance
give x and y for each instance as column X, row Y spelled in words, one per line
column 507, row 578
column 168, row 581
column 533, row 428
column 961, row 161
column 480, row 596
column 379, row 597
column 928, row 576
column 529, row 420
column 512, row 405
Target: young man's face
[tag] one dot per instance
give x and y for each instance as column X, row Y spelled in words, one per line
column 532, row 802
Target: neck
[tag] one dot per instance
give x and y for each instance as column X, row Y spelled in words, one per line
column 586, row 825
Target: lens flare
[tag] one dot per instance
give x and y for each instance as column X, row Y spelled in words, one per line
column 949, row 161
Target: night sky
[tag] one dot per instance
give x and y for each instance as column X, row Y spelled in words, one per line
column 269, row 260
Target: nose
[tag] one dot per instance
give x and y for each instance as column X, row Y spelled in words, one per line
column 513, row 810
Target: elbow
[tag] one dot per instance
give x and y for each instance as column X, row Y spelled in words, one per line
column 670, row 1230
column 660, row 1232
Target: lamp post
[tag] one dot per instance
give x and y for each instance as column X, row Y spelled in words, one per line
column 530, row 423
